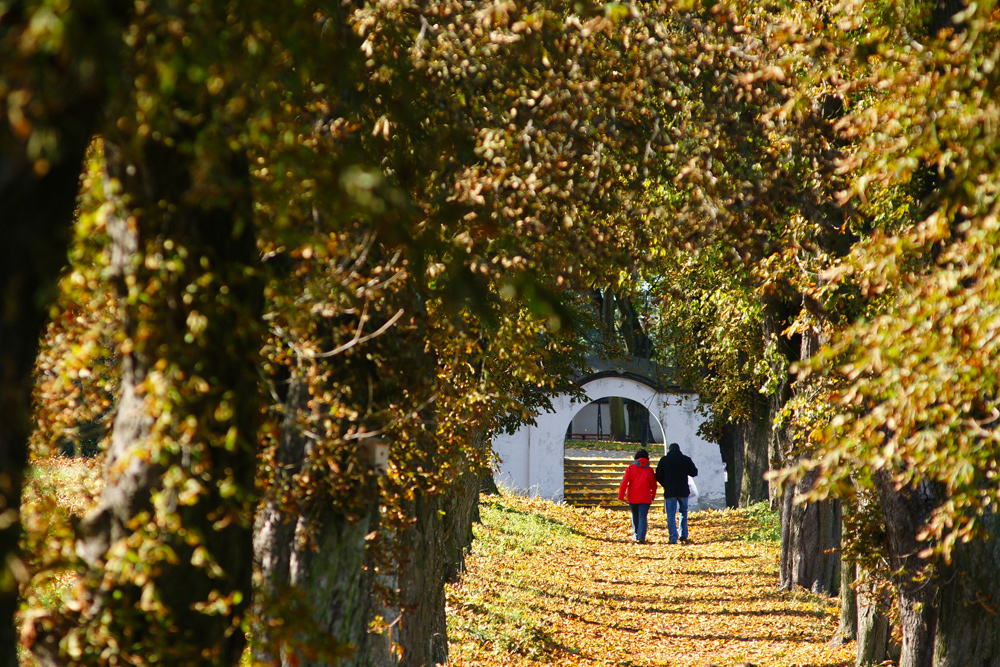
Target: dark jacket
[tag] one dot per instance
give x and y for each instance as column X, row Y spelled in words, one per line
column 672, row 473
column 638, row 484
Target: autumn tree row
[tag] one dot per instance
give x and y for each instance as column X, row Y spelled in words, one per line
column 325, row 228
column 882, row 440
column 321, row 230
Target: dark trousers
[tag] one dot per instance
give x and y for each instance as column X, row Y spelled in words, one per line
column 671, row 506
column 640, row 513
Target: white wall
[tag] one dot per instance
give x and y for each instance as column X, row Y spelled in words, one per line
column 531, row 459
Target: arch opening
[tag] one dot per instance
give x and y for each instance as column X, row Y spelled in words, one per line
column 599, row 442
column 612, row 423
column 533, row 458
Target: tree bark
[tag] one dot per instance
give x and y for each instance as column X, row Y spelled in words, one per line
column 315, row 594
column 417, row 630
column 638, row 422
column 905, row 511
column 873, row 627
column 810, row 542
column 810, row 532
column 616, row 415
column 317, row 569
column 168, row 548
column 968, row 627
column 776, row 312
column 743, row 446
column 637, row 343
column 731, row 447
column 757, row 437
column 435, row 546
column 847, row 628
column 316, row 590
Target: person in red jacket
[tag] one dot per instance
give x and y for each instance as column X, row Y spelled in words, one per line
column 638, row 488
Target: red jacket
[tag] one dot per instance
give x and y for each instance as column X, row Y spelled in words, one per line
column 639, row 483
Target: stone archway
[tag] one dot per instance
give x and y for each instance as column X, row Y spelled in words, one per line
column 531, row 460
column 594, row 421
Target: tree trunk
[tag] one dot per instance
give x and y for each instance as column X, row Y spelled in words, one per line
column 810, row 532
column 312, row 557
column 637, row 343
column 873, row 627
column 607, row 312
column 638, row 422
column 847, row 629
column 932, row 634
column 731, row 447
column 488, row 486
column 776, row 312
column 905, row 511
column 417, row 630
column 754, row 487
column 434, row 547
column 313, row 571
column 743, row 446
column 810, row 542
column 616, row 415
column 968, row 627
column 169, row 545
column 326, row 585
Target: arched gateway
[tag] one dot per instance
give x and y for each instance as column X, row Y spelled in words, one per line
column 531, row 459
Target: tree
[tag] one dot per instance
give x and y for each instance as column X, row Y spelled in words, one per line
column 167, row 553
column 470, row 234
column 621, row 332
column 78, row 370
column 913, row 396
column 52, row 89
column 429, row 209
column 710, row 322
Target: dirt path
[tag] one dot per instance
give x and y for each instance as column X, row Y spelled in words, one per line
column 588, row 596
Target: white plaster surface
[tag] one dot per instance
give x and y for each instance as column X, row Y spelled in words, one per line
column 531, row 460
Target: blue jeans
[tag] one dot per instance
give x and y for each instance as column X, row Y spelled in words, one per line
column 640, row 512
column 670, row 506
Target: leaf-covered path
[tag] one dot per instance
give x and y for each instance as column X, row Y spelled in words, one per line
column 548, row 584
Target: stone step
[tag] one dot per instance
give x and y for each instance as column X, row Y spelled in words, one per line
column 592, row 493
column 624, row 460
column 594, row 502
column 595, row 466
column 597, row 483
column 593, row 481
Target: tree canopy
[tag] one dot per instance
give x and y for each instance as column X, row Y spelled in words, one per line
column 307, row 230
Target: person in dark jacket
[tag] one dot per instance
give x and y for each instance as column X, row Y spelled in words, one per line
column 638, row 487
column 672, row 473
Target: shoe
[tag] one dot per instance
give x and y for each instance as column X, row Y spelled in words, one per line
column 671, row 543
column 684, row 540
